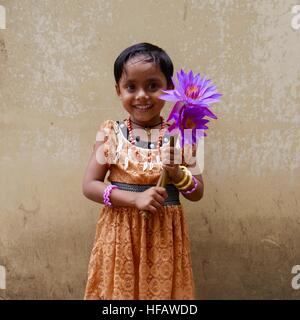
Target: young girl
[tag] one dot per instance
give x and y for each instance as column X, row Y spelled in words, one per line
column 135, row 257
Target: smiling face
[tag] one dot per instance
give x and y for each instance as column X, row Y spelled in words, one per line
column 139, row 88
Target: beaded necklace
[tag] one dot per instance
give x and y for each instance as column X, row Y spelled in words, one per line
column 148, row 163
column 147, row 128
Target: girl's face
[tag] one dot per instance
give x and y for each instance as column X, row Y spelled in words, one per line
column 139, row 88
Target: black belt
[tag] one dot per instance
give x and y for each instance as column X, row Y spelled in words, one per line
column 173, row 193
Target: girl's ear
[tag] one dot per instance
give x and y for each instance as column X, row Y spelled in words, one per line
column 118, row 90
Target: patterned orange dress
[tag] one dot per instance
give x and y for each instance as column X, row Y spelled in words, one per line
column 134, row 258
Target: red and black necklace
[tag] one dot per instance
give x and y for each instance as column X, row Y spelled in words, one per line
column 147, row 129
column 159, row 142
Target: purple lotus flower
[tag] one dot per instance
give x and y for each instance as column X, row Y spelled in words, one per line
column 193, row 96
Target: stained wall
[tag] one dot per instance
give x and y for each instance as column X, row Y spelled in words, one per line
column 56, row 87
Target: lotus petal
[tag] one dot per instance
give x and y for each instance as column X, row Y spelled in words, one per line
column 193, row 96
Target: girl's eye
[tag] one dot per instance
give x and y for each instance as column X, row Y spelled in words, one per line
column 153, row 86
column 130, row 87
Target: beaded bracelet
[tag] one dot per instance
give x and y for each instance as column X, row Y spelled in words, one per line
column 194, row 188
column 106, row 194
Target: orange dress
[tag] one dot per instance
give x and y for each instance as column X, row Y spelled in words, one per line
column 134, row 258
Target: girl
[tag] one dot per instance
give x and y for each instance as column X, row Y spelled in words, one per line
column 134, row 257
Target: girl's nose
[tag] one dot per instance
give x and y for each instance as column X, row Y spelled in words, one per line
column 141, row 94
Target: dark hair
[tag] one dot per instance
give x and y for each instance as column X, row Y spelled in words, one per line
column 153, row 53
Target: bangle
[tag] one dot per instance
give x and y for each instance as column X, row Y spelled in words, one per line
column 185, row 177
column 194, row 188
column 106, row 194
column 188, row 183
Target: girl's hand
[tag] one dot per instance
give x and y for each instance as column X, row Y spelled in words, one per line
column 152, row 199
column 171, row 159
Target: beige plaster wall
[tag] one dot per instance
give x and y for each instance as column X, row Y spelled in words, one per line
column 56, row 87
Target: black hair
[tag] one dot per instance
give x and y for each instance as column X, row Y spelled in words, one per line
column 153, row 53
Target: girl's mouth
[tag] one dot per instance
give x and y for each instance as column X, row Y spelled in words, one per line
column 143, row 107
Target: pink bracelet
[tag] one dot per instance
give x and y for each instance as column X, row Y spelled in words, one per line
column 106, row 194
column 194, row 188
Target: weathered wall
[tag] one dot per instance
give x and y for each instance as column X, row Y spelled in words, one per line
column 56, row 87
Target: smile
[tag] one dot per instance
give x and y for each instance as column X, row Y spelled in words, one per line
column 144, row 107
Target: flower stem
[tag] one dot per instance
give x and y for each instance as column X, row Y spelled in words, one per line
column 162, row 181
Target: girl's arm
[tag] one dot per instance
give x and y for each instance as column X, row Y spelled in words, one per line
column 198, row 193
column 169, row 155
column 93, row 188
column 93, row 183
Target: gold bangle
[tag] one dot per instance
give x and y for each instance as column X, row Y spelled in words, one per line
column 183, row 180
column 188, row 184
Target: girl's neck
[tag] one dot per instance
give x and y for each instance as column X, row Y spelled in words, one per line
column 149, row 133
column 151, row 124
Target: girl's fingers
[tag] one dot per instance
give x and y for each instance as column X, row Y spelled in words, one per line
column 162, row 191
column 152, row 208
column 160, row 199
column 170, row 168
column 156, row 204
